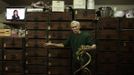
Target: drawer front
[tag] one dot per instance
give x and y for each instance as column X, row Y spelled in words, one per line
column 87, row 25
column 107, row 34
column 36, row 60
column 37, row 16
column 13, row 67
column 106, row 69
column 0, row 54
column 59, row 71
column 59, row 62
column 60, row 26
column 35, row 42
column 125, row 69
column 36, row 34
column 108, row 23
column 58, row 34
column 85, row 14
column 36, row 52
column 126, row 57
column 37, row 25
column 61, row 16
column 127, row 46
column 0, row 67
column 68, row 2
column 13, row 42
column 127, row 35
column 5, row 73
column 13, row 54
column 59, row 53
column 106, row 57
column 36, row 69
column 105, row 45
column 127, row 23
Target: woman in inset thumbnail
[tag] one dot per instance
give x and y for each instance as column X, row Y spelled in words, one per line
column 15, row 15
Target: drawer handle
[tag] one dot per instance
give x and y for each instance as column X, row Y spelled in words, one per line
column 5, row 57
column 49, row 72
column 49, row 55
column 6, row 68
column 50, row 64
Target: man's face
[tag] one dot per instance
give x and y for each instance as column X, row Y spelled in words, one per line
column 75, row 28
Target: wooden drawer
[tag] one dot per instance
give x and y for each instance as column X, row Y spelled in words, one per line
column 85, row 14
column 36, row 74
column 1, row 66
column 35, row 42
column 13, row 54
column 127, row 35
column 36, row 60
column 59, row 62
column 108, row 23
column 37, row 25
column 13, row 42
column 59, row 71
column 59, row 52
column 106, row 69
column 127, row 23
column 107, row 34
column 0, row 54
column 126, row 57
column 127, row 46
column 87, row 25
column 61, row 16
column 36, row 69
column 36, row 52
column 37, row 16
column 68, row 2
column 58, row 34
column 60, row 26
column 105, row 45
column 125, row 69
column 106, row 57
column 5, row 73
column 36, row 34
column 13, row 67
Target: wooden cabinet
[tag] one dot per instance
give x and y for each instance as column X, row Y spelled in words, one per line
column 115, row 46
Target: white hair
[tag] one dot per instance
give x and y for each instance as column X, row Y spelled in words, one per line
column 75, row 22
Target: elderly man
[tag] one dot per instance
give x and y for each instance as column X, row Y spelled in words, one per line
column 76, row 40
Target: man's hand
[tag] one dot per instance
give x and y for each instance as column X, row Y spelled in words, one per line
column 48, row 44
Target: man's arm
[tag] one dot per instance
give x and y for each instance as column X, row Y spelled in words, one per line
column 88, row 47
column 54, row 44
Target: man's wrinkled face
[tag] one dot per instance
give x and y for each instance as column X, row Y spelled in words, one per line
column 75, row 28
